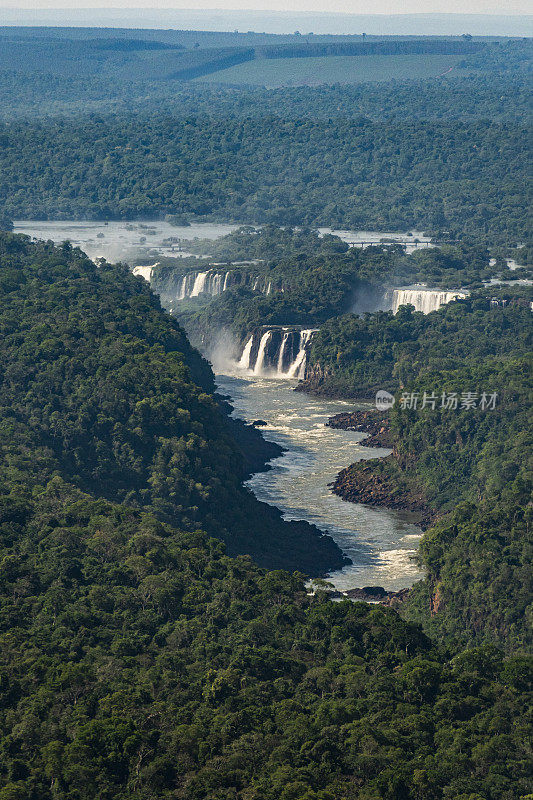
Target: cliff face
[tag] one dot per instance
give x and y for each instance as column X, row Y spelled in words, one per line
column 315, row 378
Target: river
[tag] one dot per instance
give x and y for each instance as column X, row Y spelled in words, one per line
column 381, row 543
column 123, row 240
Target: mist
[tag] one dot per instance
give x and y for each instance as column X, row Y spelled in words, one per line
column 223, row 351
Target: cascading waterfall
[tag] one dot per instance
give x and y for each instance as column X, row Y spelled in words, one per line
column 244, row 362
column 186, row 286
column 260, row 361
column 277, row 352
column 424, row 300
column 297, row 368
column 281, row 356
column 210, row 282
column 144, row 272
column 199, row 284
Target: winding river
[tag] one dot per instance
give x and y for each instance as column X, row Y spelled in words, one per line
column 381, row 543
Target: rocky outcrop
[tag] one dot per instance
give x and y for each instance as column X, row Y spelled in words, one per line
column 437, row 602
column 369, row 482
column 375, row 423
column 314, row 378
column 377, row 594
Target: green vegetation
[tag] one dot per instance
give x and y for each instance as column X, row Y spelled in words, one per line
column 137, row 660
column 104, row 390
column 356, row 355
column 52, row 71
column 470, row 465
column 282, row 252
column 39, row 94
column 145, row 650
column 465, row 180
column 160, row 59
column 312, row 278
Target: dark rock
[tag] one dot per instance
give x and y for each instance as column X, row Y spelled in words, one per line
column 377, row 590
column 370, row 483
column 377, row 594
column 375, row 423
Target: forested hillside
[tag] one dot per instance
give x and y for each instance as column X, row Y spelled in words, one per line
column 470, row 464
column 137, row 660
column 104, row 390
column 105, row 128
column 465, row 179
column 163, row 634
column 73, row 71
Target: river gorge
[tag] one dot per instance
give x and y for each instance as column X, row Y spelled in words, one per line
column 259, row 382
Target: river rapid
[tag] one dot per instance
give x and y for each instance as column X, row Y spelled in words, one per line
column 380, row 542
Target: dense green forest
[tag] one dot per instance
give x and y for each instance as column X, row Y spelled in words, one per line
column 357, row 355
column 158, row 635
column 471, row 464
column 105, row 131
column 456, row 179
column 98, row 385
column 40, row 94
column 140, row 661
column 72, row 71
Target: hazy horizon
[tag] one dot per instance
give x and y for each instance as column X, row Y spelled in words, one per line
column 431, row 23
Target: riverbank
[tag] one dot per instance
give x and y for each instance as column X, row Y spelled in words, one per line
column 375, row 423
column 377, row 482
column 256, row 451
column 380, row 484
column 318, row 553
column 380, row 543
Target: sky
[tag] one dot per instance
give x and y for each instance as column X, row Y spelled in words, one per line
column 295, row 6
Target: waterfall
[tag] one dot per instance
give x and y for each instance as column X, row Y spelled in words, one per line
column 279, row 370
column 144, row 272
column 424, row 300
column 199, row 284
column 259, row 364
column 211, row 283
column 244, row 362
column 186, row 286
column 279, row 352
column 297, row 368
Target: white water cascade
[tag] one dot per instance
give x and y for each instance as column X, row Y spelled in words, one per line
column 144, row 272
column 199, row 284
column 211, row 282
column 277, row 352
column 260, row 361
column 297, row 368
column 281, row 356
column 244, row 362
column 424, row 300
